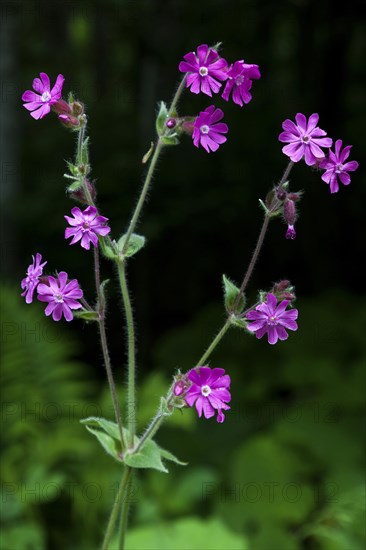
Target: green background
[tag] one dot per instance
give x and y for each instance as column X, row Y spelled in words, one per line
column 285, row 470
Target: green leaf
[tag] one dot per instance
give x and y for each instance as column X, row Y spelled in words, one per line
column 107, row 433
column 188, row 533
column 102, row 293
column 161, row 118
column 135, row 243
column 240, row 323
column 86, row 315
column 148, row 457
column 73, row 169
column 109, row 427
column 148, row 154
column 166, row 411
column 170, row 140
column 109, row 444
column 169, row 456
column 75, row 186
column 231, row 293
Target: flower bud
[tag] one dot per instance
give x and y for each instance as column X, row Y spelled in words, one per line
column 61, row 107
column 79, row 194
column 283, row 290
column 171, row 123
column 179, row 387
column 289, row 213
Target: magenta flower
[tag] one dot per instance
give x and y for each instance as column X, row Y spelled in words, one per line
column 209, row 392
column 62, row 296
column 305, row 139
column 204, row 70
column 240, row 76
column 40, row 103
column 34, row 271
column 268, row 318
column 86, row 226
column 335, row 167
column 207, row 130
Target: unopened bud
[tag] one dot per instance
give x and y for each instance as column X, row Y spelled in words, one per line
column 179, row 387
column 284, row 290
column 170, row 123
column 77, row 108
column 79, row 194
column 289, row 211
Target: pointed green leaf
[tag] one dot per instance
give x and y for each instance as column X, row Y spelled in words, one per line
column 109, row 444
column 148, row 154
column 169, row 456
column 161, row 118
column 73, row 169
column 86, row 315
column 170, row 140
column 231, row 292
column 240, row 323
column 107, row 426
column 148, row 457
column 75, row 186
column 135, row 243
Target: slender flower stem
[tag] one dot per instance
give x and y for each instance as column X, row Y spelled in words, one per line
column 156, row 422
column 118, row 501
column 125, row 505
column 158, row 147
column 254, row 258
column 214, row 342
column 177, row 96
column 142, row 197
column 131, row 390
column 286, row 173
column 104, row 343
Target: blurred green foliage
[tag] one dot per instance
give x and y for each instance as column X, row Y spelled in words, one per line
column 284, row 471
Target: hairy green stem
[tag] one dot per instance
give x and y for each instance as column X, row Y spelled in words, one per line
column 131, row 389
column 143, row 194
column 104, row 343
column 118, row 501
column 125, row 505
column 214, row 342
column 145, row 188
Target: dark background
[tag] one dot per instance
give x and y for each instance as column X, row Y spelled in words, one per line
column 202, row 218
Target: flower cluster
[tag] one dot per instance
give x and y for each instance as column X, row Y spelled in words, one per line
column 208, row 389
column 206, row 72
column 306, row 140
column 60, row 293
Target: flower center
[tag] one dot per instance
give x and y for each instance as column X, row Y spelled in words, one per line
column 239, row 80
column 205, row 390
column 204, row 129
column 272, row 320
column 305, row 138
column 46, row 96
column 85, row 226
column 203, row 71
column 339, row 168
column 59, row 298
